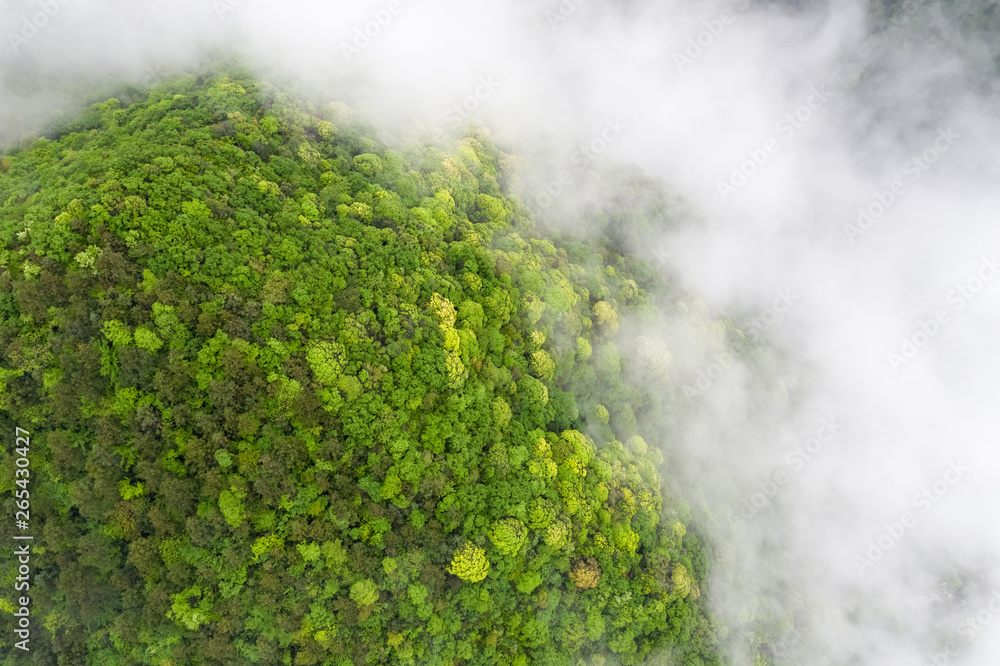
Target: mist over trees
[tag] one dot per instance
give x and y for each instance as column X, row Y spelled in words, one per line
column 301, row 396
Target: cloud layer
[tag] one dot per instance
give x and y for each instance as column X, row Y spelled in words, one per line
column 834, row 173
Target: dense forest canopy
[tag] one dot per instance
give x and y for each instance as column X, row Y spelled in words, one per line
column 299, row 396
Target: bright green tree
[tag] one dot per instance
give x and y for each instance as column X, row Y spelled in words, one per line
column 364, row 592
column 232, row 508
column 606, row 317
column 117, row 333
column 527, row 582
column 469, row 563
column 541, row 513
column 146, row 339
column 542, row 365
column 509, row 535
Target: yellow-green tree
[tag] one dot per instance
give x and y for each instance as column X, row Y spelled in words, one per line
column 364, row 592
column 637, row 444
column 557, row 534
column 445, row 310
column 182, row 613
column 509, row 535
column 527, row 582
column 117, row 333
column 326, row 359
column 146, row 339
column 542, row 365
column 231, row 506
column 583, row 448
column 625, row 538
column 684, row 583
column 469, row 563
column 655, row 356
column 546, row 468
column 501, row 413
column 541, row 513
column 607, row 318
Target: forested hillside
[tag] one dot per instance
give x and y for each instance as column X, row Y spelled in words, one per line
column 299, row 396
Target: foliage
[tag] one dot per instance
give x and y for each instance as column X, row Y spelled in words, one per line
column 284, row 378
column 683, row 583
column 585, row 573
column 509, row 535
column 147, row 339
column 364, row 592
column 469, row 563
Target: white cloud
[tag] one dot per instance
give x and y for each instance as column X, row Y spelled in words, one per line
column 783, row 229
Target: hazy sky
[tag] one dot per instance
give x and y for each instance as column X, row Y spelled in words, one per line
column 842, row 173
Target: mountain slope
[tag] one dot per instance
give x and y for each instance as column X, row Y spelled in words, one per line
column 297, row 396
